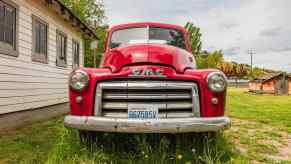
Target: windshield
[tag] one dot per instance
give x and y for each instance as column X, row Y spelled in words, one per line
column 148, row 35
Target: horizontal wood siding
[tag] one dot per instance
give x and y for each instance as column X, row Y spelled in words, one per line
column 25, row 84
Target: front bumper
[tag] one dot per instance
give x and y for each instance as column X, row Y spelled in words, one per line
column 169, row 125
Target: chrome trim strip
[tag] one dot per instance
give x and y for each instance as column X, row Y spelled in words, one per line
column 161, row 114
column 148, row 96
column 162, row 106
column 195, row 102
column 98, row 101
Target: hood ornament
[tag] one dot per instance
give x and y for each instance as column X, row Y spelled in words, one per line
column 147, row 72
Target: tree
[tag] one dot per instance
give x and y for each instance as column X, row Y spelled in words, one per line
column 215, row 58
column 89, row 58
column 202, row 60
column 258, row 72
column 233, row 69
column 241, row 71
column 209, row 59
column 195, row 38
column 227, row 68
column 92, row 13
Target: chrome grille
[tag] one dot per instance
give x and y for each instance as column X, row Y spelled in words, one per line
column 176, row 99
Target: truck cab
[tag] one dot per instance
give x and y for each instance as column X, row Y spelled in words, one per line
column 147, row 82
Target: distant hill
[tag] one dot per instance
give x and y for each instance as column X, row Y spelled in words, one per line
column 216, row 60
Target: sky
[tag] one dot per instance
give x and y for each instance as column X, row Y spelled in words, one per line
column 234, row 26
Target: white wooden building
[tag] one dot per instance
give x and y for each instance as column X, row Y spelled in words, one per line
column 40, row 43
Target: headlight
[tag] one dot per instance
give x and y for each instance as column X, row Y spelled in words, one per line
column 78, row 80
column 216, row 81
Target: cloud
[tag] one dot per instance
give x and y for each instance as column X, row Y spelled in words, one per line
column 233, row 26
column 282, row 49
column 232, row 51
column 271, row 32
column 228, row 25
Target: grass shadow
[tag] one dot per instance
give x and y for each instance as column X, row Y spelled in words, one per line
column 142, row 148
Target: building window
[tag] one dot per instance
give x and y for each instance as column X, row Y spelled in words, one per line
column 76, row 53
column 61, row 49
column 40, row 40
column 8, row 32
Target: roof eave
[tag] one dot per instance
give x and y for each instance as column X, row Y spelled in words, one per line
column 75, row 21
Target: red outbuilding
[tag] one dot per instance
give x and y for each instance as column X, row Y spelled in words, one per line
column 273, row 83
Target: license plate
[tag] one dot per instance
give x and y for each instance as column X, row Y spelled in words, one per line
column 142, row 111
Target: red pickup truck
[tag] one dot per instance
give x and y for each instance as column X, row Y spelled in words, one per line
column 147, row 83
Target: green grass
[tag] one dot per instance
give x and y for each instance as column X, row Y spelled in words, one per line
column 257, row 120
column 29, row 144
column 51, row 143
column 269, row 109
column 262, row 119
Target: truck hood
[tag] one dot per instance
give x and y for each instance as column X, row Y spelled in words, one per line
column 152, row 54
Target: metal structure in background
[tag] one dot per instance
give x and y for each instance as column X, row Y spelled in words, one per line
column 94, row 47
column 251, row 52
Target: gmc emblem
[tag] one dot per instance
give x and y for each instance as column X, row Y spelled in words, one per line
column 147, row 72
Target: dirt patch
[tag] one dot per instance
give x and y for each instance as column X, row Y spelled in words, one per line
column 284, row 151
column 270, row 142
column 249, row 136
column 252, row 132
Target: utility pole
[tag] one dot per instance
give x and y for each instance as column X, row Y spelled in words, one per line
column 251, row 55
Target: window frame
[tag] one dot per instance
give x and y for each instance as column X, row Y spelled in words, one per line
column 39, row 57
column 148, row 27
column 4, row 47
column 64, row 62
column 74, row 41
